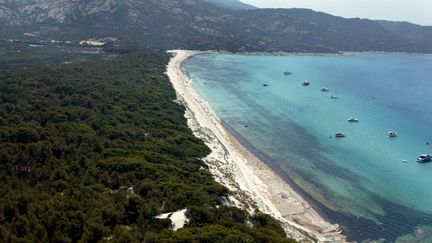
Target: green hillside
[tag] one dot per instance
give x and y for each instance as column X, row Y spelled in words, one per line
column 199, row 24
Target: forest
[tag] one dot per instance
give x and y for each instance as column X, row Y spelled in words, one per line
column 94, row 151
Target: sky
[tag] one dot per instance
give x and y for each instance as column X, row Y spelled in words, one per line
column 415, row 11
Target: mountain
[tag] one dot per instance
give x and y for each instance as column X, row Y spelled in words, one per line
column 199, row 24
column 151, row 23
column 409, row 31
column 231, row 4
column 308, row 27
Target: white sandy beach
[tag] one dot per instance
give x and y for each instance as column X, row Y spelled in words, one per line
column 252, row 183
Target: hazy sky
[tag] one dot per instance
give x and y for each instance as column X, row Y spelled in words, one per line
column 416, row 11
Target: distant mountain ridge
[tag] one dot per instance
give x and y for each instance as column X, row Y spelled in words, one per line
column 409, row 31
column 231, row 4
column 337, row 33
column 205, row 24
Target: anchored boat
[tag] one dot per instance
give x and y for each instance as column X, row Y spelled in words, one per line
column 392, row 134
column 340, row 135
column 423, row 158
column 352, row 119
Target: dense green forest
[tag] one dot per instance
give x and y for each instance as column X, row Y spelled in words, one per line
column 94, row 151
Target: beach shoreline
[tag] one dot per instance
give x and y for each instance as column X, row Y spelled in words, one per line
column 252, row 183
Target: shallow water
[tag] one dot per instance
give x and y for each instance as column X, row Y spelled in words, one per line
column 359, row 181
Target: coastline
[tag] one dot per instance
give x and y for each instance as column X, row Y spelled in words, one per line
column 252, row 183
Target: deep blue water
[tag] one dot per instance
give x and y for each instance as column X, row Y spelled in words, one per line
column 361, row 181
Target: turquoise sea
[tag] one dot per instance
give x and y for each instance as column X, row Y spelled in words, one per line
column 367, row 182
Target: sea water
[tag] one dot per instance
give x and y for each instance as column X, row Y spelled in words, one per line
column 367, row 182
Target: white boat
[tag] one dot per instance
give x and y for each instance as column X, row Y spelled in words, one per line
column 324, row 89
column 333, row 97
column 423, row 158
column 306, row 83
column 340, row 135
column 352, row 119
column 392, row 134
